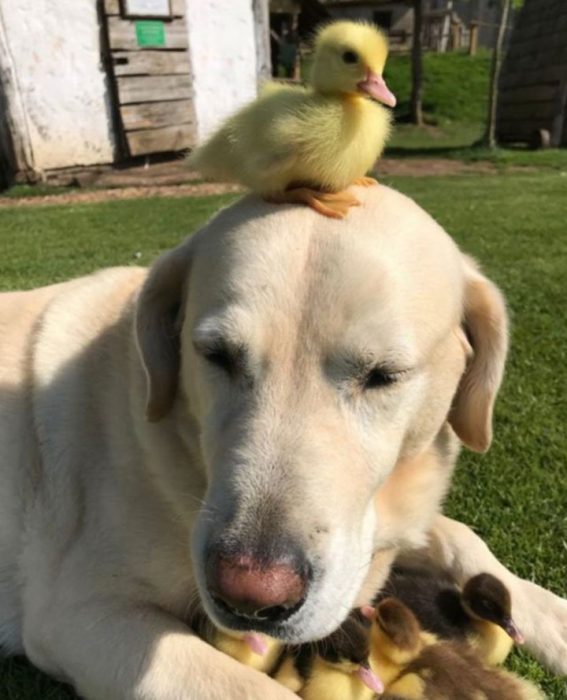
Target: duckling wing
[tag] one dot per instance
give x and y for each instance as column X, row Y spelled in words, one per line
column 272, row 86
column 253, row 146
column 330, row 142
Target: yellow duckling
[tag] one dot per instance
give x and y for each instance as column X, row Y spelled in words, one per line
column 250, row 648
column 334, row 668
column 415, row 665
column 307, row 145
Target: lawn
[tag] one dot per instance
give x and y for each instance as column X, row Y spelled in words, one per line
column 455, row 106
column 516, row 496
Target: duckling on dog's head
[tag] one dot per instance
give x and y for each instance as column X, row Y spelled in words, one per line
column 350, row 59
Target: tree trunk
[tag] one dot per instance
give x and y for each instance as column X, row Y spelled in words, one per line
column 417, row 64
column 489, row 139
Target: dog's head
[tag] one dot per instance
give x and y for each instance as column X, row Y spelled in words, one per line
column 313, row 356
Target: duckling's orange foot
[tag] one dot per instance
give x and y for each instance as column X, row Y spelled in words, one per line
column 365, row 181
column 332, row 204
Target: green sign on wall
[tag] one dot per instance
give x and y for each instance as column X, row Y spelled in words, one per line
column 150, row 33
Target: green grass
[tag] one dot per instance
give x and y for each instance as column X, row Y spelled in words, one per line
column 435, row 141
column 516, row 496
column 454, row 102
column 455, row 106
column 455, row 86
column 57, row 242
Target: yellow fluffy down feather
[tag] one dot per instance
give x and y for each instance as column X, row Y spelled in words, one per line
column 324, row 136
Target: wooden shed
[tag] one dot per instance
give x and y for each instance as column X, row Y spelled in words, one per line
column 102, row 81
column 533, row 89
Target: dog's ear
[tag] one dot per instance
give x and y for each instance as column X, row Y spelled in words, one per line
column 485, row 323
column 158, row 325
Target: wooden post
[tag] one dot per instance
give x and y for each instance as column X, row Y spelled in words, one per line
column 490, row 134
column 295, row 34
column 443, row 42
column 473, row 45
column 560, row 120
column 417, row 64
column 261, row 12
column 455, row 36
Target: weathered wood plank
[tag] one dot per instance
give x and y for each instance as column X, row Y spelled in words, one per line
column 157, row 114
column 547, row 74
column 530, row 93
column 150, row 63
column 154, row 88
column 112, row 7
column 529, row 110
column 122, row 35
column 524, row 127
column 170, row 138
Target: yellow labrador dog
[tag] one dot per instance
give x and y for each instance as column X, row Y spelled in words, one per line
column 265, row 420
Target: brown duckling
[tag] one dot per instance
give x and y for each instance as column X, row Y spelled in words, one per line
column 415, row 665
column 480, row 613
column 334, row 668
column 489, row 605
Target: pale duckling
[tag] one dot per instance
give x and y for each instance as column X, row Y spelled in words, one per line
column 308, row 145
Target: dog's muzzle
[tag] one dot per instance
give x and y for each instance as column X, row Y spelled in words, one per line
column 252, row 589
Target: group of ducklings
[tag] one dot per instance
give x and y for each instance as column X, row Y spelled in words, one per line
column 307, row 145
column 423, row 639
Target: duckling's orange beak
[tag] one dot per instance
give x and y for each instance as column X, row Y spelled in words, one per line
column 375, row 86
column 370, row 679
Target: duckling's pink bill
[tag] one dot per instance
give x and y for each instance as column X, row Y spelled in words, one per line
column 512, row 630
column 375, row 86
column 256, row 643
column 370, row 679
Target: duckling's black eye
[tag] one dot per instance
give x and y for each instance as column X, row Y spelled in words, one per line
column 379, row 377
column 350, row 57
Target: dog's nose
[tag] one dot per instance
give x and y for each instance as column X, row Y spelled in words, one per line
column 251, row 588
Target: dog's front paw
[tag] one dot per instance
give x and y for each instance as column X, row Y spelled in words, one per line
column 542, row 617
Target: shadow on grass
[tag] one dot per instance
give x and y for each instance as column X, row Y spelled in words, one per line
column 424, row 152
column 22, row 680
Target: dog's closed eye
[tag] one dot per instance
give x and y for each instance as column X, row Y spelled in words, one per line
column 221, row 354
column 379, row 377
column 222, row 357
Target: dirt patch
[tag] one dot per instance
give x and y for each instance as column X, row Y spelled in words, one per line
column 419, row 167
column 173, row 179
column 119, row 194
